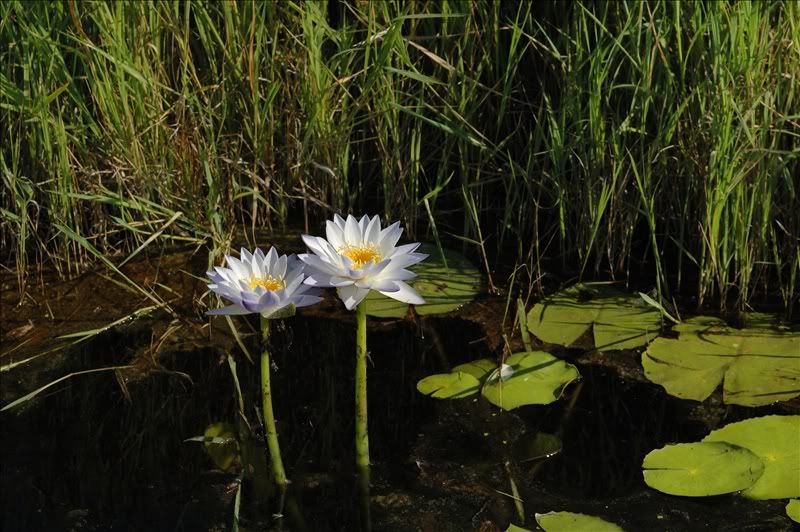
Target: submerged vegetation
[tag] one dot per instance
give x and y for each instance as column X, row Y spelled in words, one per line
column 606, row 137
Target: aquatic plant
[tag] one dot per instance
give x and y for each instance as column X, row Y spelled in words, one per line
column 357, row 257
column 757, row 457
column 616, row 320
column 526, row 378
column 271, row 286
column 757, row 365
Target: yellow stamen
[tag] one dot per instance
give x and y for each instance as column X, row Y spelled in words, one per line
column 361, row 255
column 270, row 283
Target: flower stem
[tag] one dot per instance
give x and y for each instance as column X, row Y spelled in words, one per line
column 266, row 405
column 362, row 435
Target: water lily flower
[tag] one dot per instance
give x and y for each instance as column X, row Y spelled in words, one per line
column 359, row 256
column 267, row 284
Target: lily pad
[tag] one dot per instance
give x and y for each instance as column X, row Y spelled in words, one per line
column 456, row 385
column 572, row 522
column 757, row 366
column 220, row 443
column 617, row 320
column 793, row 510
column 701, row 469
column 444, row 287
column 537, row 378
column 776, row 441
column 480, row 369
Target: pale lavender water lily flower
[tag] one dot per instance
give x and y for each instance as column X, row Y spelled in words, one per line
column 258, row 283
column 359, row 256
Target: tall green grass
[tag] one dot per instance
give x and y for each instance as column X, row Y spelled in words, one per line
column 613, row 137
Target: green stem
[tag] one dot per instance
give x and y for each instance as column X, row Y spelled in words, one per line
column 266, row 405
column 362, row 435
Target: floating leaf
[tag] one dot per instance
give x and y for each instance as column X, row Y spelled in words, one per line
column 793, row 510
column 220, row 443
column 776, row 441
column 572, row 522
column 701, row 469
column 618, row 320
column 444, row 288
column 480, row 369
column 454, row 385
column 538, row 378
column 514, row 528
column 757, row 366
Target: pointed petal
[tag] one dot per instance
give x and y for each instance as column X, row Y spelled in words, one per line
column 229, row 310
column 272, row 259
column 335, row 234
column 352, row 235
column 306, row 300
column 316, row 264
column 245, row 255
column 322, row 280
column 406, row 294
column 339, row 221
column 405, row 248
column 352, row 296
column 280, row 267
column 373, row 230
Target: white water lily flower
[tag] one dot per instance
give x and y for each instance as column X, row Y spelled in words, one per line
column 265, row 284
column 359, row 256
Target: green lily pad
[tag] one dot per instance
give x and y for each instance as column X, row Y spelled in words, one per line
column 757, row 366
column 220, row 443
column 444, row 288
column 480, row 369
column 793, row 510
column 514, row 528
column 701, row 469
column 617, row 320
column 776, row 441
column 538, row 378
column 572, row 522
column 456, row 385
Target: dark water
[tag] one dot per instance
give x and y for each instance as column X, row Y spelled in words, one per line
column 94, row 454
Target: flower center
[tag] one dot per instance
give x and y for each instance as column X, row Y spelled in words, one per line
column 270, row 283
column 361, row 255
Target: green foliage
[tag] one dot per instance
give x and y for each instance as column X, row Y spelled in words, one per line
column 793, row 510
column 776, row 441
column 701, row 469
column 757, row 366
column 574, row 522
column 549, row 128
column 758, row 457
column 528, row 378
column 617, row 321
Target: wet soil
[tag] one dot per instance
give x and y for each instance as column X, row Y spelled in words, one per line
column 107, row 450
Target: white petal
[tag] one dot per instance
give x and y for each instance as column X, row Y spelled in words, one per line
column 257, row 268
column 326, row 281
column 272, row 259
column 339, row 221
column 334, row 234
column 317, row 265
column 352, row 296
column 245, row 255
column 280, row 267
column 318, row 246
column 292, row 286
column 373, row 231
column 230, row 310
column 362, row 226
column 404, row 249
column 352, row 235
column 389, row 239
column 406, row 294
column 384, row 285
column 258, row 254
column 240, row 271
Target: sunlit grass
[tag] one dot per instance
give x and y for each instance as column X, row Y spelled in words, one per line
column 609, row 135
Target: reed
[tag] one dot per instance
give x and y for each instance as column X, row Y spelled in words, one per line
column 615, row 137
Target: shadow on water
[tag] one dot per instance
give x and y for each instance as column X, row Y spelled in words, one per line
column 99, row 455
